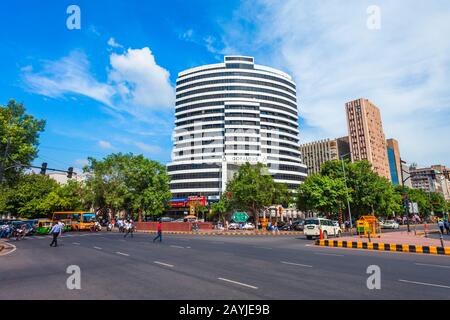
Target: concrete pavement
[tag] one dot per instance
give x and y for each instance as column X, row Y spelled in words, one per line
column 190, row 267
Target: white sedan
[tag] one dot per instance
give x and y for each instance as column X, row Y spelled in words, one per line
column 248, row 226
column 390, row 224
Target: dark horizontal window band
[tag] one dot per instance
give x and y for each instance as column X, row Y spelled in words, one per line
column 234, row 74
column 193, row 166
column 239, row 66
column 238, row 59
column 275, row 121
column 197, row 175
column 191, row 185
column 237, row 95
column 198, row 71
column 276, row 114
column 199, row 120
column 274, row 106
column 285, row 167
column 237, row 88
column 199, row 105
column 245, row 81
column 241, row 107
column 283, row 176
column 198, row 113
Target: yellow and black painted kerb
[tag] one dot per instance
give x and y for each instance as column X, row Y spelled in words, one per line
column 384, row 247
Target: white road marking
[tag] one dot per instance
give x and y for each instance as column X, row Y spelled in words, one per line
column 163, row 264
column 296, row 264
column 425, row 284
column 432, row 265
column 177, row 247
column 188, row 247
column 76, row 243
column 98, row 248
column 239, row 283
column 329, row 254
column 123, row 254
column 267, row 248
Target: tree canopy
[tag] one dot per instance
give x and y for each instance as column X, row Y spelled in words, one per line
column 19, row 139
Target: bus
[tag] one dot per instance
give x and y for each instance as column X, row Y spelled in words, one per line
column 79, row 221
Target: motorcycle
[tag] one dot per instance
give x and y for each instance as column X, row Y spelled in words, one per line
column 109, row 227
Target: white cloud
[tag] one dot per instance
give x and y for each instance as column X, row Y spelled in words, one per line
column 135, row 84
column 69, row 75
column 112, row 43
column 105, row 144
column 147, row 148
column 140, row 80
column 334, row 58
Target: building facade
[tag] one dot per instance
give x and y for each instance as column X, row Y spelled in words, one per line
column 395, row 165
column 230, row 113
column 314, row 154
column 366, row 135
column 432, row 179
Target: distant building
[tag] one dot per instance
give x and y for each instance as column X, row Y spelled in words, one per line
column 432, row 179
column 406, row 176
column 317, row 152
column 61, row 177
column 366, row 135
column 395, row 166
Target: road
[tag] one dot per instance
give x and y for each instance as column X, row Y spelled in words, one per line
column 219, row 267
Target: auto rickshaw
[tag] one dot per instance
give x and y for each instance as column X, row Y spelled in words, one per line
column 44, row 226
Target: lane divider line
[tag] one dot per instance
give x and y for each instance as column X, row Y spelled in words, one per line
column 123, row 254
column 296, row 264
column 164, row 264
column 238, row 283
column 76, row 243
column 425, row 284
column 431, row 265
column 98, row 248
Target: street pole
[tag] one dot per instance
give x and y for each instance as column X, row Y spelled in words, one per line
column 346, row 192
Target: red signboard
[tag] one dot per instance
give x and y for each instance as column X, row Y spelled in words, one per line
column 197, row 200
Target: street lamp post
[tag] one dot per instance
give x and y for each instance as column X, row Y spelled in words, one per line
column 346, row 192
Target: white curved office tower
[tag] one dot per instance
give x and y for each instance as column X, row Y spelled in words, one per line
column 228, row 114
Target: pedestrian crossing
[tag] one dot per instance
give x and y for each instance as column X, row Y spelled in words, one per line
column 63, row 236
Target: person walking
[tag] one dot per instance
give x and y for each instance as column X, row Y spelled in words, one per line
column 447, row 226
column 55, row 231
column 159, row 229
column 441, row 225
column 128, row 228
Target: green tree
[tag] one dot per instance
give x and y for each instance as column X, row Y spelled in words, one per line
column 19, row 138
column 322, row 194
column 127, row 182
column 220, row 209
column 251, row 189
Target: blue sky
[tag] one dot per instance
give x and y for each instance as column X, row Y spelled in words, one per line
column 109, row 87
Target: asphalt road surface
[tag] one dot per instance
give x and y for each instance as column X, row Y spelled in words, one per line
column 219, row 267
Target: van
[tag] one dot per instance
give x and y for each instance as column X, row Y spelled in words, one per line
column 312, row 228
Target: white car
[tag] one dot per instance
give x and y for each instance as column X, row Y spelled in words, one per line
column 389, row 224
column 233, row 226
column 248, row 226
column 314, row 225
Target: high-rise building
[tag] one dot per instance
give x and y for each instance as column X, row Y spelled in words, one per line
column 317, row 152
column 230, row 113
column 432, row 179
column 366, row 135
column 395, row 166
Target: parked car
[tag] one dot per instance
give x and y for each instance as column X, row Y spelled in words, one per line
column 314, row 225
column 389, row 224
column 248, row 226
column 233, row 226
column 166, row 219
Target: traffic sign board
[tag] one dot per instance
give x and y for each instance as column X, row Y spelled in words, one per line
column 239, row 217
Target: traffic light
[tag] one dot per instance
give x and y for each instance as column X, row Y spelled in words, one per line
column 44, row 168
column 406, row 204
column 70, row 173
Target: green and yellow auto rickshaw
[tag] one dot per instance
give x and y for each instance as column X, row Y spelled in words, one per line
column 44, row 226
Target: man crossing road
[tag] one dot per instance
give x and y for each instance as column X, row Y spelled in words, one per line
column 55, row 231
column 159, row 229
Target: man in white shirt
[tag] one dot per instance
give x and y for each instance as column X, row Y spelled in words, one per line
column 55, row 231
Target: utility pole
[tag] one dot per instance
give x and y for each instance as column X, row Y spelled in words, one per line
column 346, row 191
